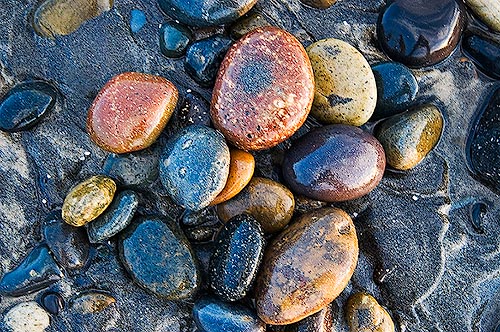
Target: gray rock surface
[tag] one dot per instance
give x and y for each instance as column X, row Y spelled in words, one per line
column 434, row 271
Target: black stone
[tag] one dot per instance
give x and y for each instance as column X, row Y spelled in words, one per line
column 204, row 57
column 174, row 39
column 420, row 33
column 207, row 216
column 200, row 233
column 37, row 271
column 70, row 245
column 52, row 302
column 235, row 262
column 485, row 52
column 25, row 105
column 194, row 109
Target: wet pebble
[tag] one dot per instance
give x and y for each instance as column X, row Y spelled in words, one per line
column 248, row 24
column 488, row 11
column 52, row 302
column 306, row 266
column 201, row 233
column 320, row 4
column 130, row 112
column 174, row 39
column 25, row 105
column 408, row 137
column 87, row 200
column 194, row 109
column 334, row 163
column 133, row 170
column 269, row 202
column 363, row 313
column 26, row 317
column 194, row 166
column 204, row 57
column 172, row 271
column 137, row 20
column 322, row 321
column 91, row 302
column 196, row 218
column 116, row 217
column 264, row 89
column 210, row 315
column 37, row 271
column 485, row 52
column 238, row 252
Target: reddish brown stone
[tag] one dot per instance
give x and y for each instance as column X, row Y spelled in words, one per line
column 264, row 89
column 130, row 112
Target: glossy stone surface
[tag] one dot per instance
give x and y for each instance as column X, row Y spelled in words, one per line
column 241, row 170
column 196, row 218
column 269, row 202
column 322, row 321
column 363, row 313
column 306, row 266
column 397, row 88
column 37, row 271
column 171, row 272
column 137, row 20
column 204, row 13
column 334, row 163
column 116, row 217
column 69, row 245
column 419, row 33
column 204, row 57
column 91, row 302
column 264, row 89
column 52, row 302
column 25, row 104
column 488, row 12
column 408, row 137
column 26, row 317
column 130, row 112
column 239, row 248
column 193, row 109
column 62, row 17
column 320, row 4
column 345, row 86
column 210, row 315
column 485, row 53
column 133, row 170
column 248, row 24
column 87, row 200
column 194, row 166
column 174, row 39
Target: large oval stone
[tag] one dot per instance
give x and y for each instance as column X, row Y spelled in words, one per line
column 194, row 166
column 306, row 266
column 204, row 13
column 420, row 33
column 488, row 11
column 130, row 112
column 159, row 258
column 264, row 89
column 334, row 163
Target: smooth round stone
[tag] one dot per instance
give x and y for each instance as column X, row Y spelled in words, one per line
column 159, row 258
column 320, row 4
column 397, row 88
column 133, row 170
column 137, row 20
column 346, row 91
column 204, row 57
column 37, row 271
column 211, row 315
column 363, row 313
column 238, row 252
column 241, row 169
column 52, row 302
column 306, row 266
column 194, row 166
column 322, row 321
column 87, row 200
column 488, row 11
column 485, row 53
column 420, row 33
column 26, row 317
column 269, row 202
column 25, row 105
column 69, row 245
column 264, row 89
column 248, row 24
column 407, row 138
column 205, row 13
column 91, row 302
column 174, row 39
column 116, row 217
column 130, row 112
column 334, row 163
column 194, row 109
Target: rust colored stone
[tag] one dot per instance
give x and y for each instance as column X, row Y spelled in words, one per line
column 264, row 89
column 130, row 112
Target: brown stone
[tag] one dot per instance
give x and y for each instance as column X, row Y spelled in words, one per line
column 363, row 314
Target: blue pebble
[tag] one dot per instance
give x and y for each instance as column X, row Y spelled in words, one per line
column 174, row 39
column 484, row 52
column 137, row 20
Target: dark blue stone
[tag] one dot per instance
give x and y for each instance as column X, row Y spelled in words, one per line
column 37, row 271
column 25, row 105
column 159, row 258
column 204, row 57
column 70, row 245
column 202, row 217
column 193, row 109
column 137, row 20
column 116, row 217
column 211, row 315
column 397, row 88
column 485, row 53
column 52, row 302
column 235, row 262
column 174, row 39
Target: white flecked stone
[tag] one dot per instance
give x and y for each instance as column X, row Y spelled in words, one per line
column 27, row 317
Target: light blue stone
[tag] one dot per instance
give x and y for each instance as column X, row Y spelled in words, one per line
column 137, row 20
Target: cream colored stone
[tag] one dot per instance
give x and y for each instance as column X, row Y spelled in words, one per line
column 27, row 317
column 488, row 11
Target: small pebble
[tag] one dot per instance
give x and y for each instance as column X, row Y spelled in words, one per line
column 363, row 313
column 248, row 24
column 174, row 39
column 26, row 317
column 193, row 109
column 485, row 52
column 488, row 11
column 196, row 218
column 91, row 302
column 137, row 20
column 52, row 302
column 322, row 321
column 133, row 170
column 320, row 4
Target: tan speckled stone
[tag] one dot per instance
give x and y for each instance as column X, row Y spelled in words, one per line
column 364, row 314
column 346, row 92
column 488, row 11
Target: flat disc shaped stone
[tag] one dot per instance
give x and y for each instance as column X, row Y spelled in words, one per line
column 420, row 33
column 264, row 89
column 130, row 112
